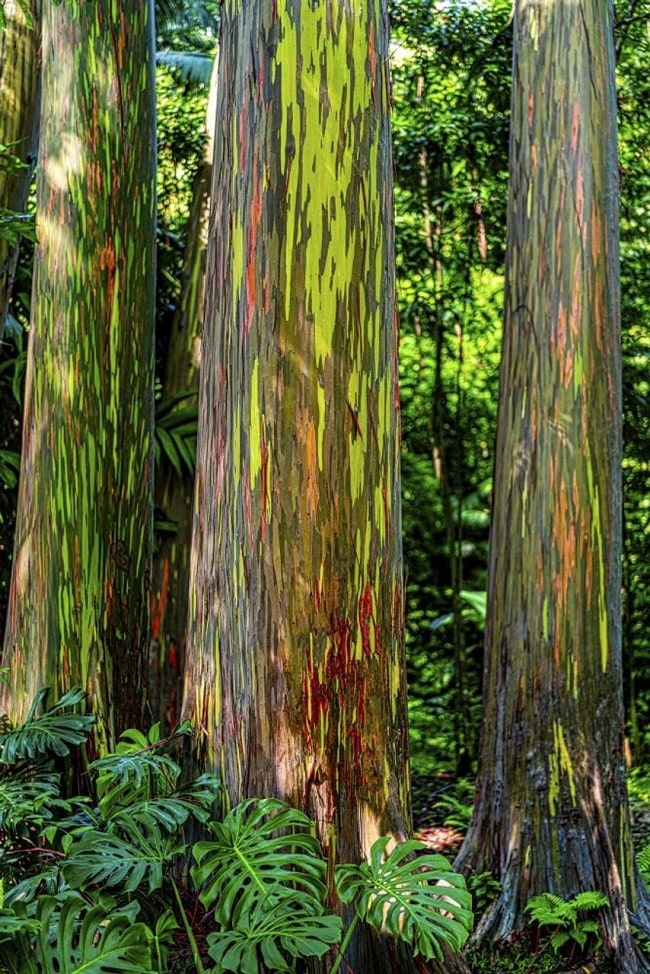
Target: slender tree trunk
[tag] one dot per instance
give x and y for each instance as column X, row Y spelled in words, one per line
column 19, row 94
column 551, row 810
column 440, row 420
column 174, row 495
column 295, row 672
column 78, row 610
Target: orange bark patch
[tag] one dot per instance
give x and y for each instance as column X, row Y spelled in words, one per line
column 159, row 604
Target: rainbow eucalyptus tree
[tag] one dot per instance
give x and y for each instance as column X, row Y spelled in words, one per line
column 78, row 610
column 295, row 671
column 551, row 810
column 174, row 488
column 19, row 88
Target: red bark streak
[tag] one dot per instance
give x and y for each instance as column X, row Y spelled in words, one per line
column 365, row 620
column 355, row 420
column 66, row 666
column 251, row 247
column 311, row 473
column 316, row 701
column 319, row 601
column 158, row 605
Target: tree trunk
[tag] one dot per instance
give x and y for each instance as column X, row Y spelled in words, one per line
column 551, row 810
column 175, row 494
column 19, row 96
column 78, row 610
column 295, row 672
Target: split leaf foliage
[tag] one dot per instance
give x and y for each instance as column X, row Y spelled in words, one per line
column 87, row 882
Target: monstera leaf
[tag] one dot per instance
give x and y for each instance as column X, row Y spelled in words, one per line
column 261, row 847
column 77, row 938
column 277, row 934
column 412, row 896
column 53, row 732
column 127, row 861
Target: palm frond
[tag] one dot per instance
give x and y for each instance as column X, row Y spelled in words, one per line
column 195, row 67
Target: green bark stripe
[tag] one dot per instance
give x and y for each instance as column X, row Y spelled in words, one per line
column 297, row 587
column 79, row 599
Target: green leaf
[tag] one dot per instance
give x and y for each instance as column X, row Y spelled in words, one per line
column 414, row 897
column 76, row 938
column 54, row 732
column 27, row 797
column 140, row 768
column 126, row 861
column 168, row 448
column 262, row 846
column 277, row 933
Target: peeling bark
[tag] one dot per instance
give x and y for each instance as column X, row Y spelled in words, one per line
column 19, row 100
column 551, row 811
column 295, row 670
column 79, row 600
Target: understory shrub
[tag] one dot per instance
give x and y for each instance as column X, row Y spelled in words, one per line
column 92, row 883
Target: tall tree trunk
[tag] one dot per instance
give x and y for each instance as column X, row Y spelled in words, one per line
column 78, row 610
column 174, row 494
column 295, row 673
column 551, row 810
column 19, row 94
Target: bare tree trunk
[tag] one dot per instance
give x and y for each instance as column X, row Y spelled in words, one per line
column 20, row 45
column 295, row 671
column 79, row 601
column 551, row 810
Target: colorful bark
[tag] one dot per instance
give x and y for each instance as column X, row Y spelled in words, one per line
column 78, row 609
column 19, row 94
column 295, row 665
column 551, row 810
column 174, row 494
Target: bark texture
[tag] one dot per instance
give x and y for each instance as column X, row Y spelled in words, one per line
column 78, row 610
column 295, row 655
column 174, row 494
column 551, row 810
column 19, row 98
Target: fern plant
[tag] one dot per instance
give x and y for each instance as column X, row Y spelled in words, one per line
column 643, row 863
column 567, row 918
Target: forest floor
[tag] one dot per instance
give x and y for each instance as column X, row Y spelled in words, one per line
column 441, row 812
